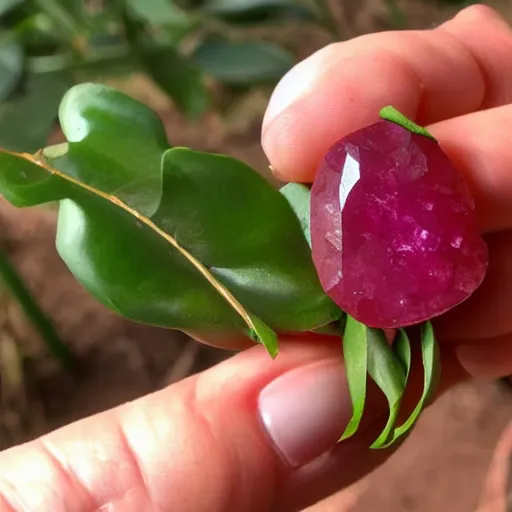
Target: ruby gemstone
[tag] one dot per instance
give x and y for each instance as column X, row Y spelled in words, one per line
column 394, row 233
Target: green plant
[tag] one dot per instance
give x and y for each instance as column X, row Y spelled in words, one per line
column 47, row 45
column 42, row 324
column 195, row 241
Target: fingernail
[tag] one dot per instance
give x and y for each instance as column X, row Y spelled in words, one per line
column 305, row 411
column 295, row 84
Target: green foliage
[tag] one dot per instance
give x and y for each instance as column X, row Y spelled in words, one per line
column 250, row 11
column 159, row 12
column 243, row 63
column 11, row 66
column 180, row 78
column 183, row 47
column 431, row 375
column 169, row 236
column 355, row 354
column 298, row 195
column 7, row 5
column 366, row 351
column 42, row 324
column 27, row 117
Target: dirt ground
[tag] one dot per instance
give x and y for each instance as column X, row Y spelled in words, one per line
column 441, row 466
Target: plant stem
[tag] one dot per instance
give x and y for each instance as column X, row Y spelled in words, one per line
column 34, row 313
column 397, row 16
column 328, row 20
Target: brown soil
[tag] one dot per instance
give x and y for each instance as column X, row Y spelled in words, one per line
column 441, row 466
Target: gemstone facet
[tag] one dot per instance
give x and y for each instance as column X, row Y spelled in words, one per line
column 394, row 233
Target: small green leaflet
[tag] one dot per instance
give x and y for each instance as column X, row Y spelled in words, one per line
column 389, row 374
column 355, row 354
column 431, row 369
column 368, row 352
column 390, row 113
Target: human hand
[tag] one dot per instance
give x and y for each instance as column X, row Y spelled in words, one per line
column 457, row 81
column 255, row 434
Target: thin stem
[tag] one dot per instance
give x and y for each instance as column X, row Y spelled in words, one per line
column 114, row 61
column 328, row 20
column 39, row 320
column 397, row 16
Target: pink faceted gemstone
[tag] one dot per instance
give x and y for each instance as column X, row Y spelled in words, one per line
column 394, row 233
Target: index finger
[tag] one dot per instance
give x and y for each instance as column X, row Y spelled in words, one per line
column 428, row 75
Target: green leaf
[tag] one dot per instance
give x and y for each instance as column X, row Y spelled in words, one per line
column 116, row 144
column 243, row 229
column 259, row 10
column 355, row 354
column 180, row 78
column 176, row 75
column 11, row 67
column 198, row 257
column 27, row 119
column 431, row 368
column 402, row 350
column 243, row 63
column 159, row 12
column 7, row 5
column 390, row 113
column 66, row 23
column 87, row 216
column 388, row 373
column 298, row 196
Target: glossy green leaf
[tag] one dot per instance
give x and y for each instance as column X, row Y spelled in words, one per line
column 100, row 243
column 355, row 355
column 243, row 63
column 11, row 67
column 27, row 119
column 298, row 195
column 211, row 246
column 180, row 78
column 431, row 369
column 116, row 144
column 388, row 373
column 259, row 10
column 268, row 265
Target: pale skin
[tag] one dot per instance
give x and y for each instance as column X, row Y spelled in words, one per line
column 198, row 445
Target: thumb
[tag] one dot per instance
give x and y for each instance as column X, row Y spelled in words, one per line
column 250, row 434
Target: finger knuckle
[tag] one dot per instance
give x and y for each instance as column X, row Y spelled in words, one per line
column 481, row 13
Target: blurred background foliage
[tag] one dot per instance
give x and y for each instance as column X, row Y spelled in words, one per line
column 185, row 47
column 208, row 68
column 189, row 48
